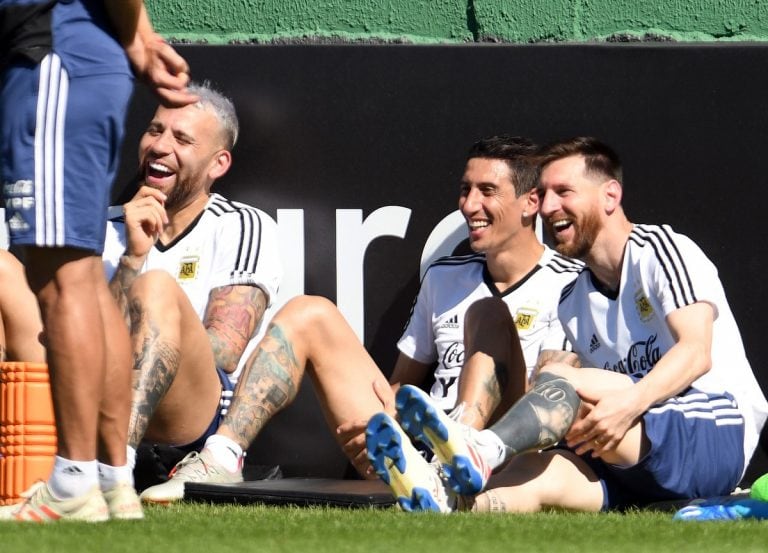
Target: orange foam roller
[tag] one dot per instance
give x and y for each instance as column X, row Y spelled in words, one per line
column 27, row 428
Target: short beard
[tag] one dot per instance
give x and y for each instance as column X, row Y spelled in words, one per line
column 178, row 197
column 584, row 237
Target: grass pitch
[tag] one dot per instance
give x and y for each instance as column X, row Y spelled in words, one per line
column 212, row 528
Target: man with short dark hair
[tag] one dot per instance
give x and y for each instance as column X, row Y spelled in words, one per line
column 667, row 406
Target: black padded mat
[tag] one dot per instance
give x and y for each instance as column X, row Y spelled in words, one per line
column 303, row 492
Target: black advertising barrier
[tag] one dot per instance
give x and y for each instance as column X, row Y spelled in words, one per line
column 356, row 151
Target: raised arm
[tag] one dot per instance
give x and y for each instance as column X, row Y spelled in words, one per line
column 155, row 62
column 145, row 218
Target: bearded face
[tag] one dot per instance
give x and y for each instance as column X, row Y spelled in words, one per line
column 570, row 205
column 585, row 229
column 178, row 151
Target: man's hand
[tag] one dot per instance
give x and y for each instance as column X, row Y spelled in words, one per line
column 604, row 422
column 145, row 218
column 352, row 434
column 161, row 68
column 154, row 61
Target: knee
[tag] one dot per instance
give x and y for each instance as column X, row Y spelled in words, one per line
column 556, row 388
column 306, row 312
column 560, row 370
column 492, row 311
column 155, row 283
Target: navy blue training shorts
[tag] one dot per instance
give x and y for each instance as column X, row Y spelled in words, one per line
column 696, row 450
column 61, row 140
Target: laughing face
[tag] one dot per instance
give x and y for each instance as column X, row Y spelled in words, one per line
column 180, row 153
column 570, row 206
column 488, row 202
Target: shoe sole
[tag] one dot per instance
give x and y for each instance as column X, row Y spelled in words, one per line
column 127, row 516
column 398, row 464
column 422, row 420
column 163, row 502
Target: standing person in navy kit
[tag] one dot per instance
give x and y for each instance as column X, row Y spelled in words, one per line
column 66, row 84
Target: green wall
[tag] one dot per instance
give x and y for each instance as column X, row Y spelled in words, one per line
column 450, row 21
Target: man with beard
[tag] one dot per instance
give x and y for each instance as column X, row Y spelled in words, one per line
column 193, row 272
column 512, row 270
column 668, row 406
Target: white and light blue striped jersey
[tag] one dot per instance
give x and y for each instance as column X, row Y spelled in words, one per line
column 627, row 332
column 229, row 244
column 435, row 330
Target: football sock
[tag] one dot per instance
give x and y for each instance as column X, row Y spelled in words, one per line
column 490, row 447
column 226, row 452
column 540, row 418
column 110, row 476
column 130, row 454
column 72, row 478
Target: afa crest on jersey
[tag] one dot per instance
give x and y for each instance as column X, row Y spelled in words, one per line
column 643, row 306
column 525, row 317
column 188, row 268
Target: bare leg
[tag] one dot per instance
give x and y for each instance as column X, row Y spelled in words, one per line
column 176, row 389
column 307, row 334
column 538, row 480
column 494, row 374
column 64, row 281
column 20, row 323
column 115, row 408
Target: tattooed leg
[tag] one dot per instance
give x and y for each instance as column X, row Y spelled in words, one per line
column 156, row 363
column 310, row 336
column 175, row 391
column 268, row 383
column 542, row 416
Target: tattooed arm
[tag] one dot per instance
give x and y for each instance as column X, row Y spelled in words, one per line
column 128, row 269
column 231, row 317
column 145, row 218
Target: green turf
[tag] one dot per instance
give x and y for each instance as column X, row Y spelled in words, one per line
column 208, row 529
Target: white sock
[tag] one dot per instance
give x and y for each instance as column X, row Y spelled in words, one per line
column 130, row 454
column 110, row 476
column 491, row 447
column 226, row 452
column 73, row 478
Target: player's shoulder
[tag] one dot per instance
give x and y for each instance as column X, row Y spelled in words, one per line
column 582, row 277
column 660, row 244
column 220, row 206
column 560, row 264
column 454, row 263
column 656, row 236
column 230, row 214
